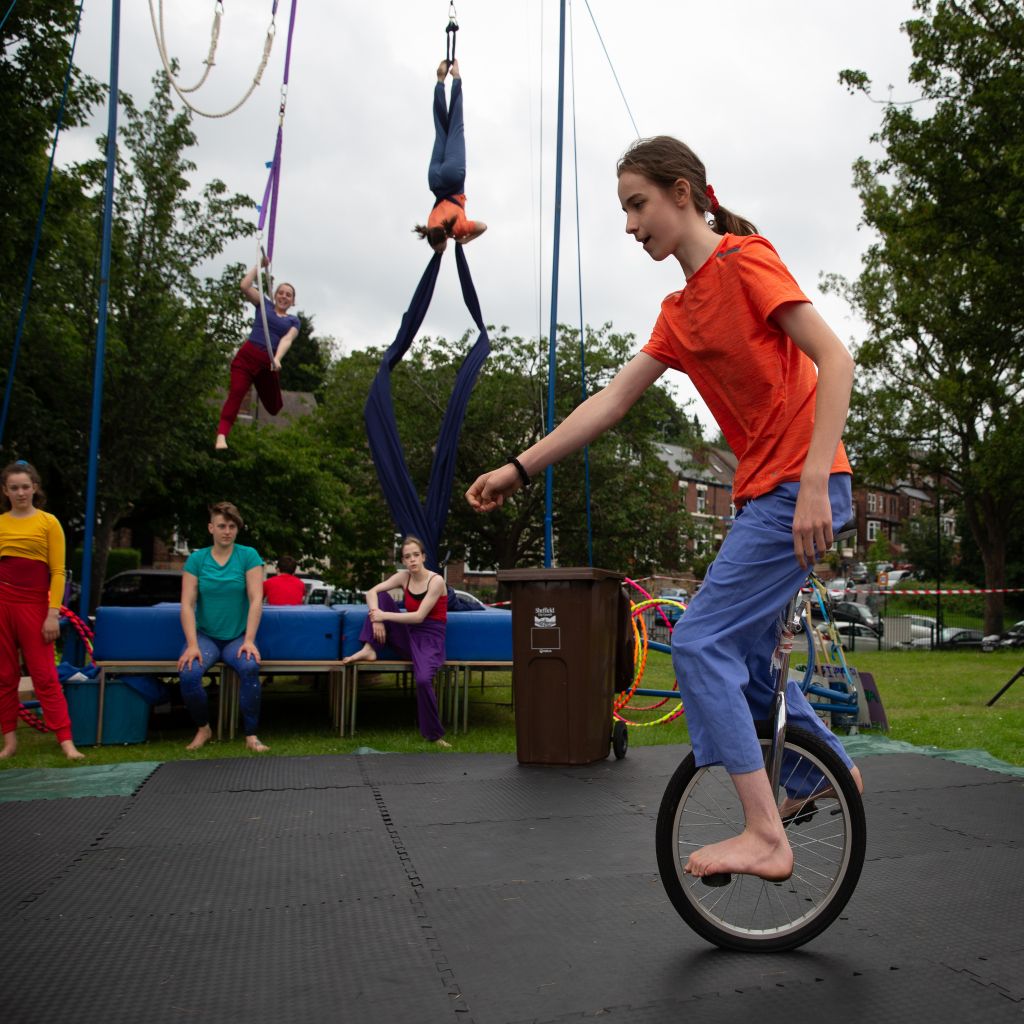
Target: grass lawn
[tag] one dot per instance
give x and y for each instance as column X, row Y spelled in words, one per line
column 930, row 697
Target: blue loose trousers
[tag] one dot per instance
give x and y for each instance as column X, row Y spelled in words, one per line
column 722, row 648
column 446, row 175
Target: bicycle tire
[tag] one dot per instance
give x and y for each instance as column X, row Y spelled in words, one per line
column 750, row 914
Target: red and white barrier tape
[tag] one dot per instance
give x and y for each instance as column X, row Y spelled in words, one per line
column 901, row 592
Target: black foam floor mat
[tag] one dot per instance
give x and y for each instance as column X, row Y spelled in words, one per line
column 468, row 888
column 255, row 773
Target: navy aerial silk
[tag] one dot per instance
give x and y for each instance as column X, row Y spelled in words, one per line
column 425, row 520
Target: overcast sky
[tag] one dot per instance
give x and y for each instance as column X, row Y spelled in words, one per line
column 751, row 86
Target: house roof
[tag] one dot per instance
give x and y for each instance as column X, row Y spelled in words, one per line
column 706, row 464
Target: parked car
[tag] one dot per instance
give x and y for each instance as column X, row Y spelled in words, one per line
column 140, row 588
column 906, row 629
column 470, row 602
column 839, row 587
column 670, row 611
column 894, row 576
column 858, row 573
column 1014, row 636
column 850, row 632
column 850, row 611
column 317, row 591
column 954, row 636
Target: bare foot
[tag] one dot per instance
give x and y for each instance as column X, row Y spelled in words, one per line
column 10, row 746
column 71, row 752
column 791, row 806
column 455, row 69
column 221, row 443
column 444, row 744
column 203, row 736
column 254, row 744
column 442, row 70
column 365, row 653
column 477, row 231
column 768, row 857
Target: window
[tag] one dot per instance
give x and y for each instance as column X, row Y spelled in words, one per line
column 872, row 501
column 702, row 497
column 874, row 529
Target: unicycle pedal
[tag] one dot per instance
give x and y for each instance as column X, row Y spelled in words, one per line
column 717, row 879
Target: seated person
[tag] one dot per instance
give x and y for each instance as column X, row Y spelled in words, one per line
column 221, row 607
column 285, row 587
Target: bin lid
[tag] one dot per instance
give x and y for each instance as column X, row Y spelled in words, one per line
column 538, row 575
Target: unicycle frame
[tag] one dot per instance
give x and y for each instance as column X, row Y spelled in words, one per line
column 783, row 651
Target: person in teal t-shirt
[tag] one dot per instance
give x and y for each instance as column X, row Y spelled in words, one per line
column 221, row 605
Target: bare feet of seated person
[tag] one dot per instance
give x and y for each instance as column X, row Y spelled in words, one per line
column 365, row 653
column 253, row 743
column 203, row 736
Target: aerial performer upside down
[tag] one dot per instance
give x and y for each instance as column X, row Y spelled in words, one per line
column 252, row 363
column 447, row 173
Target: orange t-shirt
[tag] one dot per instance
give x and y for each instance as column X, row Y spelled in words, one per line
column 447, row 209
column 758, row 384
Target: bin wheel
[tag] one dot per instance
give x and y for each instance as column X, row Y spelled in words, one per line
column 620, row 740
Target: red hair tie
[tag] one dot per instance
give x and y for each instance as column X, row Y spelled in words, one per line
column 710, row 193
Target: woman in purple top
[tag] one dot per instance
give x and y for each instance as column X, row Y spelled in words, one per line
column 252, row 363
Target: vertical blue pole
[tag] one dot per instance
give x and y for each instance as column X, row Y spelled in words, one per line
column 101, row 325
column 552, row 363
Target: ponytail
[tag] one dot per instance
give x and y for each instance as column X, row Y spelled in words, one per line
column 664, row 160
column 438, row 233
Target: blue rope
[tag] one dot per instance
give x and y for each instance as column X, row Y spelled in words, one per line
column 39, row 225
column 8, row 14
column 553, row 329
column 579, row 286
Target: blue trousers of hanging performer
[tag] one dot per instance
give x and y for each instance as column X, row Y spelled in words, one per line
column 722, row 647
column 447, row 173
column 423, row 644
column 248, row 669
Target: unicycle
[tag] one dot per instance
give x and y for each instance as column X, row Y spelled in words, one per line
column 826, row 830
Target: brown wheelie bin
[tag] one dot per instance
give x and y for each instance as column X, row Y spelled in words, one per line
column 566, row 640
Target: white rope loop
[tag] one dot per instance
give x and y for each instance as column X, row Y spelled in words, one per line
column 182, row 91
column 263, row 304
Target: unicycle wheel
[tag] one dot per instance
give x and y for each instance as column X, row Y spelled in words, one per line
column 826, row 832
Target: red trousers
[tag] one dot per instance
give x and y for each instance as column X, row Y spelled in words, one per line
column 251, row 365
column 21, row 628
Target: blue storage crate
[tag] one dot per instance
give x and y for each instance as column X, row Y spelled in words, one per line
column 125, row 712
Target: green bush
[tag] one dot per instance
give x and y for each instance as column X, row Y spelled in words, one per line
column 118, row 560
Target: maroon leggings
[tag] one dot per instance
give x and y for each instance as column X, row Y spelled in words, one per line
column 251, row 365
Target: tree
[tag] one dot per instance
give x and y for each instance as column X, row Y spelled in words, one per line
column 940, row 373
column 636, row 522
column 927, row 548
column 880, row 550
column 304, row 368
column 168, row 335
column 34, row 51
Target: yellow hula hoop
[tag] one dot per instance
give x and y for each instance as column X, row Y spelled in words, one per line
column 640, row 663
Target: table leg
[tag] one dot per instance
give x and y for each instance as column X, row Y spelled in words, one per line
column 99, row 705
